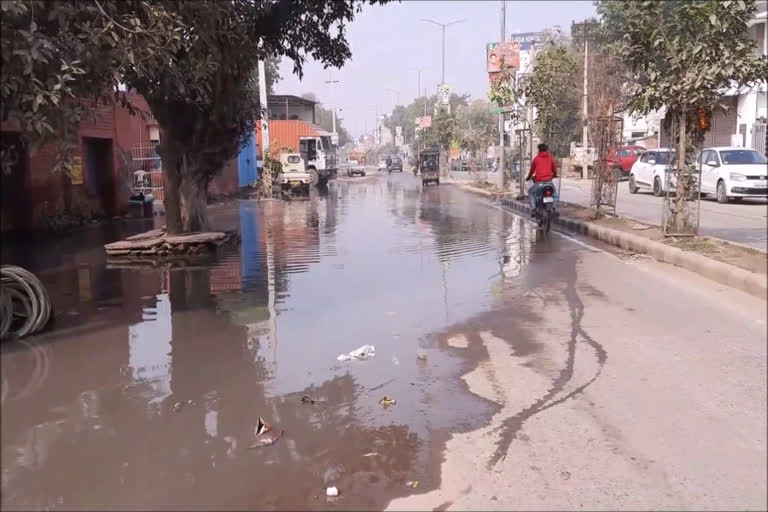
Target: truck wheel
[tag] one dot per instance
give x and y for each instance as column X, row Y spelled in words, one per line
column 314, row 177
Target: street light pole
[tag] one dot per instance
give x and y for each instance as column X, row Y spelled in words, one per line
column 443, row 25
column 333, row 103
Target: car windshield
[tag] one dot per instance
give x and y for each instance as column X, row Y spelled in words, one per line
column 294, row 159
column 742, row 157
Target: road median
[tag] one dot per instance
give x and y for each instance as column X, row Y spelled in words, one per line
column 728, row 264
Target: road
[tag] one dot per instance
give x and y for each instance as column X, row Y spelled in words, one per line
column 528, row 372
column 743, row 222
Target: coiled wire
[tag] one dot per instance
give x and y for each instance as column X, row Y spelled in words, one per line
column 25, row 307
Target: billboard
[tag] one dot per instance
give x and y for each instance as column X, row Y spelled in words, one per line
column 424, row 121
column 507, row 51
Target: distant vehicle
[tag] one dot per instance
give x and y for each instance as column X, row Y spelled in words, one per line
column 319, row 153
column 382, row 164
column 733, row 173
column 652, row 171
column 623, row 160
column 429, row 165
column 355, row 168
column 582, row 158
column 294, row 175
column 397, row 164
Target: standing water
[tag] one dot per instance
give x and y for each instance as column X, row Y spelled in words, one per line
column 146, row 392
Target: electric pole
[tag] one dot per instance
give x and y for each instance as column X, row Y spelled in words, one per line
column 331, row 81
column 266, row 177
column 585, row 106
column 500, row 175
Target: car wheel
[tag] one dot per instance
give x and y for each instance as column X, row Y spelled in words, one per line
column 619, row 173
column 722, row 195
column 632, row 184
column 423, row 183
column 657, row 187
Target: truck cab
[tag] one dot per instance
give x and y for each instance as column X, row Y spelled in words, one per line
column 320, row 156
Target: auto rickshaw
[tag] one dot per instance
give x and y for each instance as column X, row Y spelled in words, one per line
column 429, row 165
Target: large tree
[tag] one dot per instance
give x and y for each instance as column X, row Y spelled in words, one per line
column 194, row 62
column 60, row 59
column 554, row 90
column 682, row 56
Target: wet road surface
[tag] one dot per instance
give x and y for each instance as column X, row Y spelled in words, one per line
column 146, row 394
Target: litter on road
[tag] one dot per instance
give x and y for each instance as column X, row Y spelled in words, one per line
column 331, row 491
column 364, row 352
column 264, row 434
column 387, row 401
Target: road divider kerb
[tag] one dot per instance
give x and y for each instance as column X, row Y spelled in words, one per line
column 723, row 273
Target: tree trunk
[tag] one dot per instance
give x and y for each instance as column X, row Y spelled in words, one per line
column 681, row 188
column 171, row 186
column 194, row 203
column 266, row 180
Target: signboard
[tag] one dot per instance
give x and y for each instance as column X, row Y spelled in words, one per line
column 444, row 94
column 424, row 121
column 76, row 171
column 507, row 51
column 398, row 131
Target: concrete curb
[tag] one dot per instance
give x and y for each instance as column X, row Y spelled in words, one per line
column 723, row 273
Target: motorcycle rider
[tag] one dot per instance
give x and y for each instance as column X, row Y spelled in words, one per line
column 389, row 163
column 543, row 171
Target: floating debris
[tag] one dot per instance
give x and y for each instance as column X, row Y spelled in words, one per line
column 306, row 399
column 412, row 483
column 332, row 491
column 364, row 352
column 387, row 401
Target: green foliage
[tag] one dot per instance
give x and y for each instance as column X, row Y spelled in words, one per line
column 682, row 55
column 554, row 90
column 477, row 127
column 443, row 129
column 60, row 59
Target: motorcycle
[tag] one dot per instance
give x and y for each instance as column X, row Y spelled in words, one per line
column 545, row 207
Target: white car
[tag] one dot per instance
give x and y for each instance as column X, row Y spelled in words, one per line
column 650, row 171
column 354, row 168
column 733, row 173
column 383, row 165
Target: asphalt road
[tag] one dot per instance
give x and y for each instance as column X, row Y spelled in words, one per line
column 745, row 222
column 527, row 372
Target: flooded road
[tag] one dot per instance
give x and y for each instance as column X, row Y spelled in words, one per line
column 147, row 392
column 88, row 410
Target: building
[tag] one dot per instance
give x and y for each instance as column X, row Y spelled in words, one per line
column 290, row 117
column 102, row 174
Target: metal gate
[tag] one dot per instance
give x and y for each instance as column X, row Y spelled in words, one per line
column 758, row 137
column 606, row 181
column 145, row 158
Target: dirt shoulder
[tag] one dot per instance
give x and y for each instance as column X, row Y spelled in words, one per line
column 746, row 258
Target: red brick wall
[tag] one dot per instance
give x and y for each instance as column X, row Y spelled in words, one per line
column 46, row 192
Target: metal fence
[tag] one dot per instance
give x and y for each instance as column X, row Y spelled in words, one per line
column 146, row 159
column 606, row 181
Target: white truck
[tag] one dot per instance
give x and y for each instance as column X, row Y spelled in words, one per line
column 319, row 153
column 582, row 159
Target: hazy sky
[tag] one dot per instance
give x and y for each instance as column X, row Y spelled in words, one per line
column 387, row 41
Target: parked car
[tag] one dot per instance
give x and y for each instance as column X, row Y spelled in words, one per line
column 733, row 173
column 623, row 159
column 649, row 171
column 397, row 164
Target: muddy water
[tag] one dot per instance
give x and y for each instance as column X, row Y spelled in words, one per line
column 146, row 393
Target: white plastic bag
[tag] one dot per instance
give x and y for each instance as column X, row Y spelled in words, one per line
column 364, row 352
